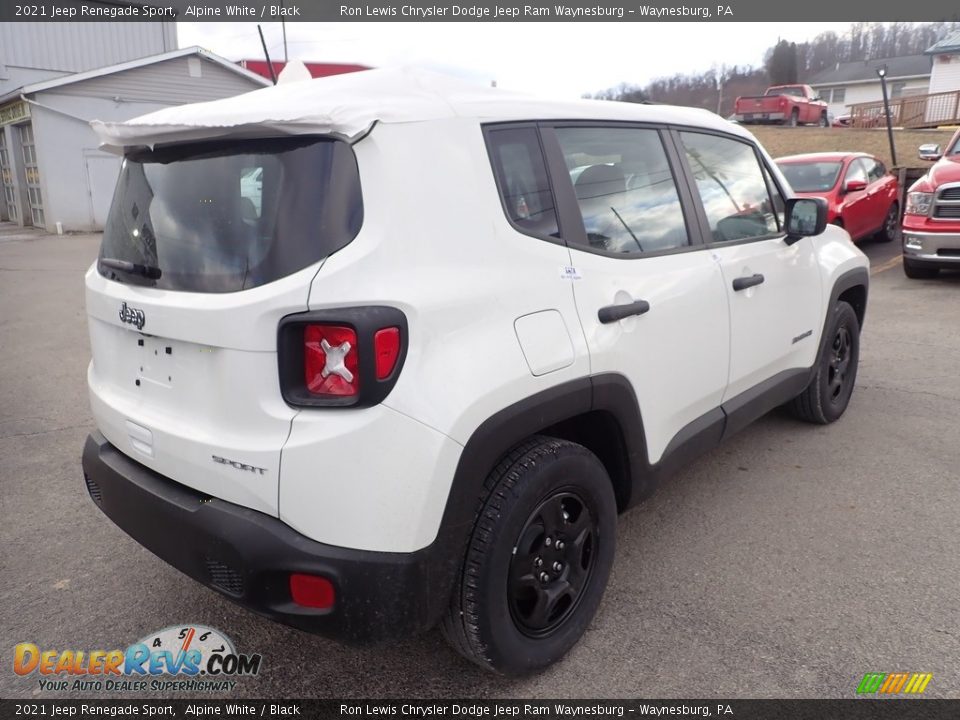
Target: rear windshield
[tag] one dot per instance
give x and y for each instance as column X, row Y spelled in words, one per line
column 225, row 216
column 792, row 91
column 811, row 177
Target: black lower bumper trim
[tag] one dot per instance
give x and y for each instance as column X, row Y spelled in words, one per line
column 248, row 556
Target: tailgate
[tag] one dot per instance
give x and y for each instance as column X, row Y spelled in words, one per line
column 208, row 246
column 760, row 103
column 194, row 393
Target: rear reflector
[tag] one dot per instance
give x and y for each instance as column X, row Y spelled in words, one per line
column 386, row 347
column 330, row 360
column 311, row 591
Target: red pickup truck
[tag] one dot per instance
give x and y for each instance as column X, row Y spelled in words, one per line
column 786, row 104
column 931, row 221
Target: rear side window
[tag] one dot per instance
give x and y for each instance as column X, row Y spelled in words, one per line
column 625, row 189
column 226, row 216
column 732, row 187
column 521, row 174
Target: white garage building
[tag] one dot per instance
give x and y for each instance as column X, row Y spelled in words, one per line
column 51, row 169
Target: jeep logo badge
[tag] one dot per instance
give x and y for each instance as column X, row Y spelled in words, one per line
column 132, row 316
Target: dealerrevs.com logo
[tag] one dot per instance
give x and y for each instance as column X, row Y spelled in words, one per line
column 187, row 658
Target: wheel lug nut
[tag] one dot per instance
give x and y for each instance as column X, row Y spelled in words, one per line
column 548, row 542
column 559, row 545
column 557, row 566
column 544, row 577
column 538, row 562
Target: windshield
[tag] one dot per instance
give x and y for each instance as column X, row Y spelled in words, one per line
column 227, row 216
column 812, row 176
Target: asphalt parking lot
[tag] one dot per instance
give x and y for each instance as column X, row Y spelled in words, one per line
column 787, row 563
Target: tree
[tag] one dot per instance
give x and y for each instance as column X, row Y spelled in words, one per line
column 782, row 63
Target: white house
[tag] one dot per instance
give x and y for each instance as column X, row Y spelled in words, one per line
column 945, row 75
column 851, row 83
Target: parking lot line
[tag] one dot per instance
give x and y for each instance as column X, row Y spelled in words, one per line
column 891, row 263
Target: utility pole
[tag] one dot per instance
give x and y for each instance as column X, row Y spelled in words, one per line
column 882, row 72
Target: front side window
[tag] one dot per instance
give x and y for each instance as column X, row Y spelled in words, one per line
column 522, row 179
column 625, row 189
column 732, row 187
column 857, row 172
column 875, row 169
column 226, row 216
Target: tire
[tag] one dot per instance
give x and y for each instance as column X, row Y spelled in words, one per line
column 888, row 233
column 823, row 120
column 826, row 397
column 794, row 118
column 919, row 272
column 503, row 615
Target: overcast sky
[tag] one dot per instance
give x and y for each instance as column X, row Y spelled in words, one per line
column 556, row 59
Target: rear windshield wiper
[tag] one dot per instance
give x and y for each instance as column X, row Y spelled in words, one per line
column 148, row 271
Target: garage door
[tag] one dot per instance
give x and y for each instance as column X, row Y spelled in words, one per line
column 9, row 195
column 32, row 171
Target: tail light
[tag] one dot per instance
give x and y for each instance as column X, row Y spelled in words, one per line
column 312, row 591
column 344, row 357
column 330, row 360
column 386, row 345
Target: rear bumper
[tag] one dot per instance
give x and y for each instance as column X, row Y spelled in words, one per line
column 247, row 556
column 761, row 117
column 933, row 249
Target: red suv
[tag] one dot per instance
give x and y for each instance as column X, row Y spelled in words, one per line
column 862, row 196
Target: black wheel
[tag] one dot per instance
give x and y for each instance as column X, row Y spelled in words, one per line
column 919, row 272
column 823, row 120
column 538, row 559
column 794, row 118
column 888, row 232
column 828, row 394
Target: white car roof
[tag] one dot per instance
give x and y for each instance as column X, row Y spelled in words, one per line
column 349, row 105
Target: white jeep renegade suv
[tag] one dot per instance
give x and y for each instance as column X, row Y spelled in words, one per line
column 410, row 375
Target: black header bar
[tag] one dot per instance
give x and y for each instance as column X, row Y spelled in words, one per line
column 649, row 11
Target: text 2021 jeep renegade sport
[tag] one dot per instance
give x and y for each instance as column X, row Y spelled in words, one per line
column 382, row 352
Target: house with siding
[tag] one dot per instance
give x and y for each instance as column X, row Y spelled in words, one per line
column 53, row 173
column 945, row 73
column 851, row 83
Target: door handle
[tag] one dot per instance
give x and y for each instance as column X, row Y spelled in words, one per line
column 613, row 313
column 742, row 283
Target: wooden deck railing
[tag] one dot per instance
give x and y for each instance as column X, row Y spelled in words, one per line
column 910, row 111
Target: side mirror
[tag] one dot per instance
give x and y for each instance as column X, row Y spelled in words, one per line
column 930, row 151
column 805, row 217
column 855, row 185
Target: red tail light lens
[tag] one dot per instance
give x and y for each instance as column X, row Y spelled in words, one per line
column 386, row 348
column 347, row 357
column 312, row 591
column 331, row 360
